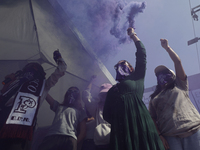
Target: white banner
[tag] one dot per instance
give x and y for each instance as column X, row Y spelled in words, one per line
column 23, row 110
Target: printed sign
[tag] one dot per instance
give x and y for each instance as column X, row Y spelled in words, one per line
column 21, row 113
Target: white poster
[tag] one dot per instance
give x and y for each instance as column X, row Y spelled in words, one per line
column 20, row 114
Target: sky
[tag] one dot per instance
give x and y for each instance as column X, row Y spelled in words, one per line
column 104, row 23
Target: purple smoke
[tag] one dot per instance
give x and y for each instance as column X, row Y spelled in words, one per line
column 102, row 23
column 135, row 8
column 132, row 9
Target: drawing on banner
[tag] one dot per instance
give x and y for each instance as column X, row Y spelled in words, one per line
column 24, row 104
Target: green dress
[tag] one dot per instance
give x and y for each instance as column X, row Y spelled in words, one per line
column 132, row 127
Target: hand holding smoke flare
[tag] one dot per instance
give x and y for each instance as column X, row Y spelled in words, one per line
column 130, row 31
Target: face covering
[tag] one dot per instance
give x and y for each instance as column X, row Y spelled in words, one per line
column 165, row 78
column 122, row 71
column 73, row 95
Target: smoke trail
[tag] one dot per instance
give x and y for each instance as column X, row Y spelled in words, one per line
column 132, row 9
column 102, row 23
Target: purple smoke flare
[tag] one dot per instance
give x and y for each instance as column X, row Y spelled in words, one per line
column 135, row 8
column 103, row 23
column 132, row 9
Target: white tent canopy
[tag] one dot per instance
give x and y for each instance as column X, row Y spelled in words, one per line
column 30, row 30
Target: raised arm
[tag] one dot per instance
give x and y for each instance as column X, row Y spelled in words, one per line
column 90, row 105
column 59, row 72
column 50, row 100
column 175, row 58
column 140, row 66
column 91, row 82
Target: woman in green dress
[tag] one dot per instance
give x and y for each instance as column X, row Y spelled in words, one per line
column 131, row 125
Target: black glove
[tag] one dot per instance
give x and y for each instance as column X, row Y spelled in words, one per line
column 56, row 55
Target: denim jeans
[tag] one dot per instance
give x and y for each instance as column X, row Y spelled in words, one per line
column 191, row 142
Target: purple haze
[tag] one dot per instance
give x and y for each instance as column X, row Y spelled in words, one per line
column 103, row 23
column 131, row 10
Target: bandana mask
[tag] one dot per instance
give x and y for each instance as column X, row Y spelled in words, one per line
column 122, row 71
column 72, row 96
column 165, row 78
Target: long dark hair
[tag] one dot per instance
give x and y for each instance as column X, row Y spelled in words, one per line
column 71, row 97
column 159, row 89
column 123, row 62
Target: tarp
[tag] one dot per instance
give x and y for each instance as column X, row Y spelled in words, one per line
column 30, row 30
